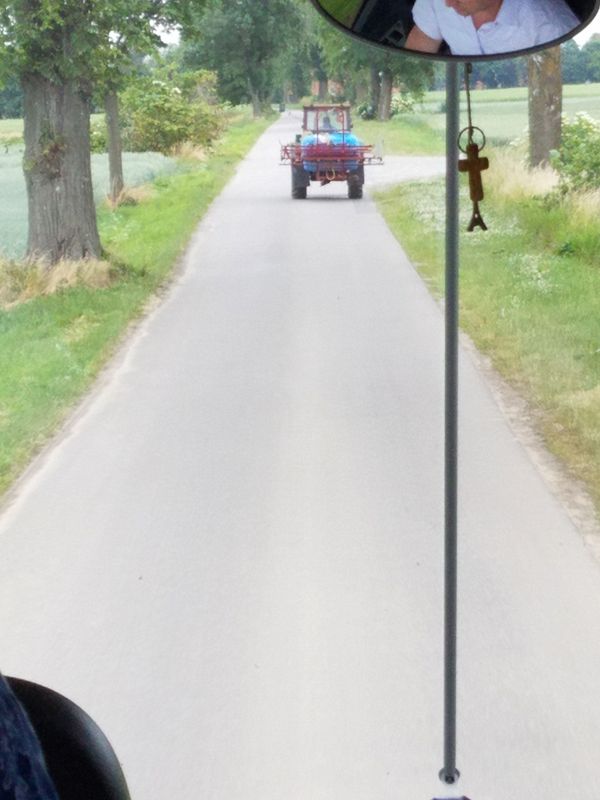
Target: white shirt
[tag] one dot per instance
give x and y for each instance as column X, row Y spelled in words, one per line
column 519, row 25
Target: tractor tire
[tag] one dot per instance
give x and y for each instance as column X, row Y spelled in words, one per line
column 355, row 189
column 300, row 181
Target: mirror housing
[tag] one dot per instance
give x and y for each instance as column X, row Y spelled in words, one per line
column 79, row 757
column 461, row 30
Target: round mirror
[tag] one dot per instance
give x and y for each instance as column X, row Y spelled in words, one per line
column 463, row 30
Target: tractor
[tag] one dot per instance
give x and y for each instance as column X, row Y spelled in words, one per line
column 327, row 151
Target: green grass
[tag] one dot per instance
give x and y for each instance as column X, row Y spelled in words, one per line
column 530, row 299
column 53, row 347
column 405, row 134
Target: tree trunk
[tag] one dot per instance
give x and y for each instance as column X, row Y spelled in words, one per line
column 375, row 89
column 115, row 147
column 385, row 97
column 545, row 105
column 58, row 173
column 323, row 89
column 257, row 106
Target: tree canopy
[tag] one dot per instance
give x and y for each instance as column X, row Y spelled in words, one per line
column 83, row 41
column 243, row 42
column 368, row 72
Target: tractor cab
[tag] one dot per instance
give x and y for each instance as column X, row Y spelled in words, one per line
column 326, row 119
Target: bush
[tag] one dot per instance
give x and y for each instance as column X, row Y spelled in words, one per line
column 98, row 137
column 402, row 104
column 578, row 160
column 158, row 115
column 366, row 111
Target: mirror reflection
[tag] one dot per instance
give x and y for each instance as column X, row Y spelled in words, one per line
column 463, row 28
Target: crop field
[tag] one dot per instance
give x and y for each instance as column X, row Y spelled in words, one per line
column 138, row 168
column 11, row 130
column 502, row 113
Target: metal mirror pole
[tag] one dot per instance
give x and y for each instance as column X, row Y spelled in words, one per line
column 449, row 774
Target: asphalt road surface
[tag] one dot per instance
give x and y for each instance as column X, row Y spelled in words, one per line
column 232, row 558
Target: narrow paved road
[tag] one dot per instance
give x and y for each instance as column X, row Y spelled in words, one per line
column 233, row 558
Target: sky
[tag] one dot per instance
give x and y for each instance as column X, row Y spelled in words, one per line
column 593, row 27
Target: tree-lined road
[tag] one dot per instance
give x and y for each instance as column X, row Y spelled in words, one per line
column 233, row 557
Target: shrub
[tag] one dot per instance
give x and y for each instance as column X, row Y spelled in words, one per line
column 578, row 160
column 158, row 115
column 402, row 104
column 98, row 137
column 366, row 111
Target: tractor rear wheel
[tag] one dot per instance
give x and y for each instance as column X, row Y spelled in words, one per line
column 355, row 189
column 300, row 180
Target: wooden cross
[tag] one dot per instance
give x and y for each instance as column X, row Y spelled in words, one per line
column 474, row 165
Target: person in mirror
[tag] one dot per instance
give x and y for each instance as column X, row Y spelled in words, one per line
column 487, row 27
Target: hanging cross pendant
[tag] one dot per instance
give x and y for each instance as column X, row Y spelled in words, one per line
column 474, row 165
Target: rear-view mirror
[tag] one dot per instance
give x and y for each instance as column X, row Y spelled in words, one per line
column 461, row 30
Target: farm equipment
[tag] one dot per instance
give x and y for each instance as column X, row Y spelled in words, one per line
column 327, row 151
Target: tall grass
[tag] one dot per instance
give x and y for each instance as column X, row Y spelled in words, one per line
column 21, row 282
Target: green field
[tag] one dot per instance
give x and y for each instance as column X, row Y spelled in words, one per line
column 502, row 113
column 11, row 131
column 138, row 168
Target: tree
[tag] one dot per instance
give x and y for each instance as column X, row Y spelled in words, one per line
column 115, row 145
column 591, row 54
column 497, row 74
column 573, row 63
column 318, row 69
column 11, row 100
column 545, row 105
column 243, row 41
column 356, row 64
column 60, row 50
column 125, row 49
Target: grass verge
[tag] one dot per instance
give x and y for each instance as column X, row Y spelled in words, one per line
column 530, row 297
column 54, row 345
